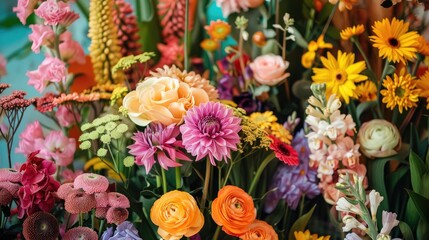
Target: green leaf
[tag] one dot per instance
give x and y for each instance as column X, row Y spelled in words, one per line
column 278, row 213
column 406, row 231
column 362, row 107
column 417, row 169
column 301, row 223
column 299, row 39
column 422, row 231
column 421, row 203
column 424, row 190
column 390, row 69
column 145, row 10
column 411, row 215
column 10, row 21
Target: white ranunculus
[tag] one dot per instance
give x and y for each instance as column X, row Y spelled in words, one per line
column 379, row 138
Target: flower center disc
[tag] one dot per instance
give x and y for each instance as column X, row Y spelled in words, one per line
column 393, row 42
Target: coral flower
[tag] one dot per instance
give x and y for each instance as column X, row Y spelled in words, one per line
column 260, row 230
column 176, row 214
column 79, row 202
column 284, row 152
column 118, row 200
column 400, row 91
column 218, row 30
column 308, row 236
column 393, row 40
column 211, row 130
column 209, row 44
column 116, row 215
column 160, row 142
column 80, row 233
column 64, row 190
column 340, row 75
column 234, row 210
column 349, row 32
column 40, row 226
column 91, row 183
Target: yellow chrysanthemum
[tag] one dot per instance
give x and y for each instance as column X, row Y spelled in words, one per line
column 349, row 32
column 218, row 30
column 400, row 91
column 393, row 40
column 308, row 58
column 263, row 120
column 209, row 44
column 367, row 91
column 308, row 236
column 340, row 75
column 281, row 133
column 423, row 86
column 423, row 46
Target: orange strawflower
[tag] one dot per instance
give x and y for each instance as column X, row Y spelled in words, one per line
column 218, row 30
column 209, row 44
column 233, row 209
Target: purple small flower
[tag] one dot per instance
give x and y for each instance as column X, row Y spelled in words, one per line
column 246, row 102
column 225, row 87
column 124, row 231
column 293, row 182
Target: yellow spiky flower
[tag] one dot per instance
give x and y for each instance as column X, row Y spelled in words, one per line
column 104, row 49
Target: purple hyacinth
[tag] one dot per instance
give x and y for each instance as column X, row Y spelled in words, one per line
column 292, row 182
column 124, row 231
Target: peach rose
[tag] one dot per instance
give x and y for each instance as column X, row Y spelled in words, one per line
column 176, row 214
column 260, row 230
column 233, row 209
column 162, row 99
column 269, row 69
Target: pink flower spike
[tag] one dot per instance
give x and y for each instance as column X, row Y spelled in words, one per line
column 91, row 183
column 41, row 35
column 118, row 200
column 24, row 9
column 80, row 233
column 211, row 130
column 9, row 175
column 160, row 142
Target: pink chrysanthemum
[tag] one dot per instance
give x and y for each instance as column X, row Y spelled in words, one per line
column 80, row 233
column 160, row 142
column 79, row 202
column 5, row 197
column 101, row 199
column 116, row 215
column 284, row 152
column 11, row 187
column 101, row 212
column 91, row 183
column 118, row 200
column 65, row 189
column 10, row 175
column 211, row 130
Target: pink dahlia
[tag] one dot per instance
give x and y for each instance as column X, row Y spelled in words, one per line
column 211, row 130
column 160, row 142
column 80, row 233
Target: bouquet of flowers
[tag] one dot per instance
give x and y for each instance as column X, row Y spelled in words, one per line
column 218, row 119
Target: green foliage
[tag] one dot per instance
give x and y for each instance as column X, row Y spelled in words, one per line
column 301, row 223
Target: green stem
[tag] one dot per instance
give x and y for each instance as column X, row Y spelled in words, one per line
column 81, row 219
column 331, row 15
column 206, row 184
column 93, row 218
column 261, row 168
column 362, row 52
column 227, row 174
column 186, row 57
column 100, row 230
column 380, row 82
column 178, row 177
column 241, row 61
column 164, row 181
column 416, row 66
column 217, row 232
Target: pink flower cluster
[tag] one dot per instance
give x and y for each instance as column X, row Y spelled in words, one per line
column 89, row 191
column 333, row 150
column 51, row 70
column 38, row 185
column 55, row 145
column 56, row 12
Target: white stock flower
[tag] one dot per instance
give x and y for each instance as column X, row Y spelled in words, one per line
column 379, row 138
column 389, row 221
column 345, row 206
column 351, row 223
column 374, row 201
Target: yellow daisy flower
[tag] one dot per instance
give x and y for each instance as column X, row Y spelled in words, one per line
column 308, row 236
column 322, row 44
column 209, row 44
column 281, row 133
column 367, row 91
column 423, row 46
column 308, row 58
column 393, row 40
column 400, row 91
column 263, row 120
column 218, row 30
column 340, row 75
column 349, row 32
column 423, row 86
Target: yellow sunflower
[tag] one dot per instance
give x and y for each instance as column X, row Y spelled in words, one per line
column 218, row 30
column 423, row 46
column 349, row 32
column 423, row 86
column 400, row 91
column 367, row 91
column 340, row 75
column 263, row 120
column 308, row 236
column 393, row 40
column 209, row 44
column 281, row 133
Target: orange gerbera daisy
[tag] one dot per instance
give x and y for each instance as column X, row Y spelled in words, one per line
column 349, row 32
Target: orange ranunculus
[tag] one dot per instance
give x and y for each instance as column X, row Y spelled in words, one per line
column 176, row 214
column 233, row 209
column 259, row 230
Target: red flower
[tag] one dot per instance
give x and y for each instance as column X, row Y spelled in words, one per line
column 284, row 152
